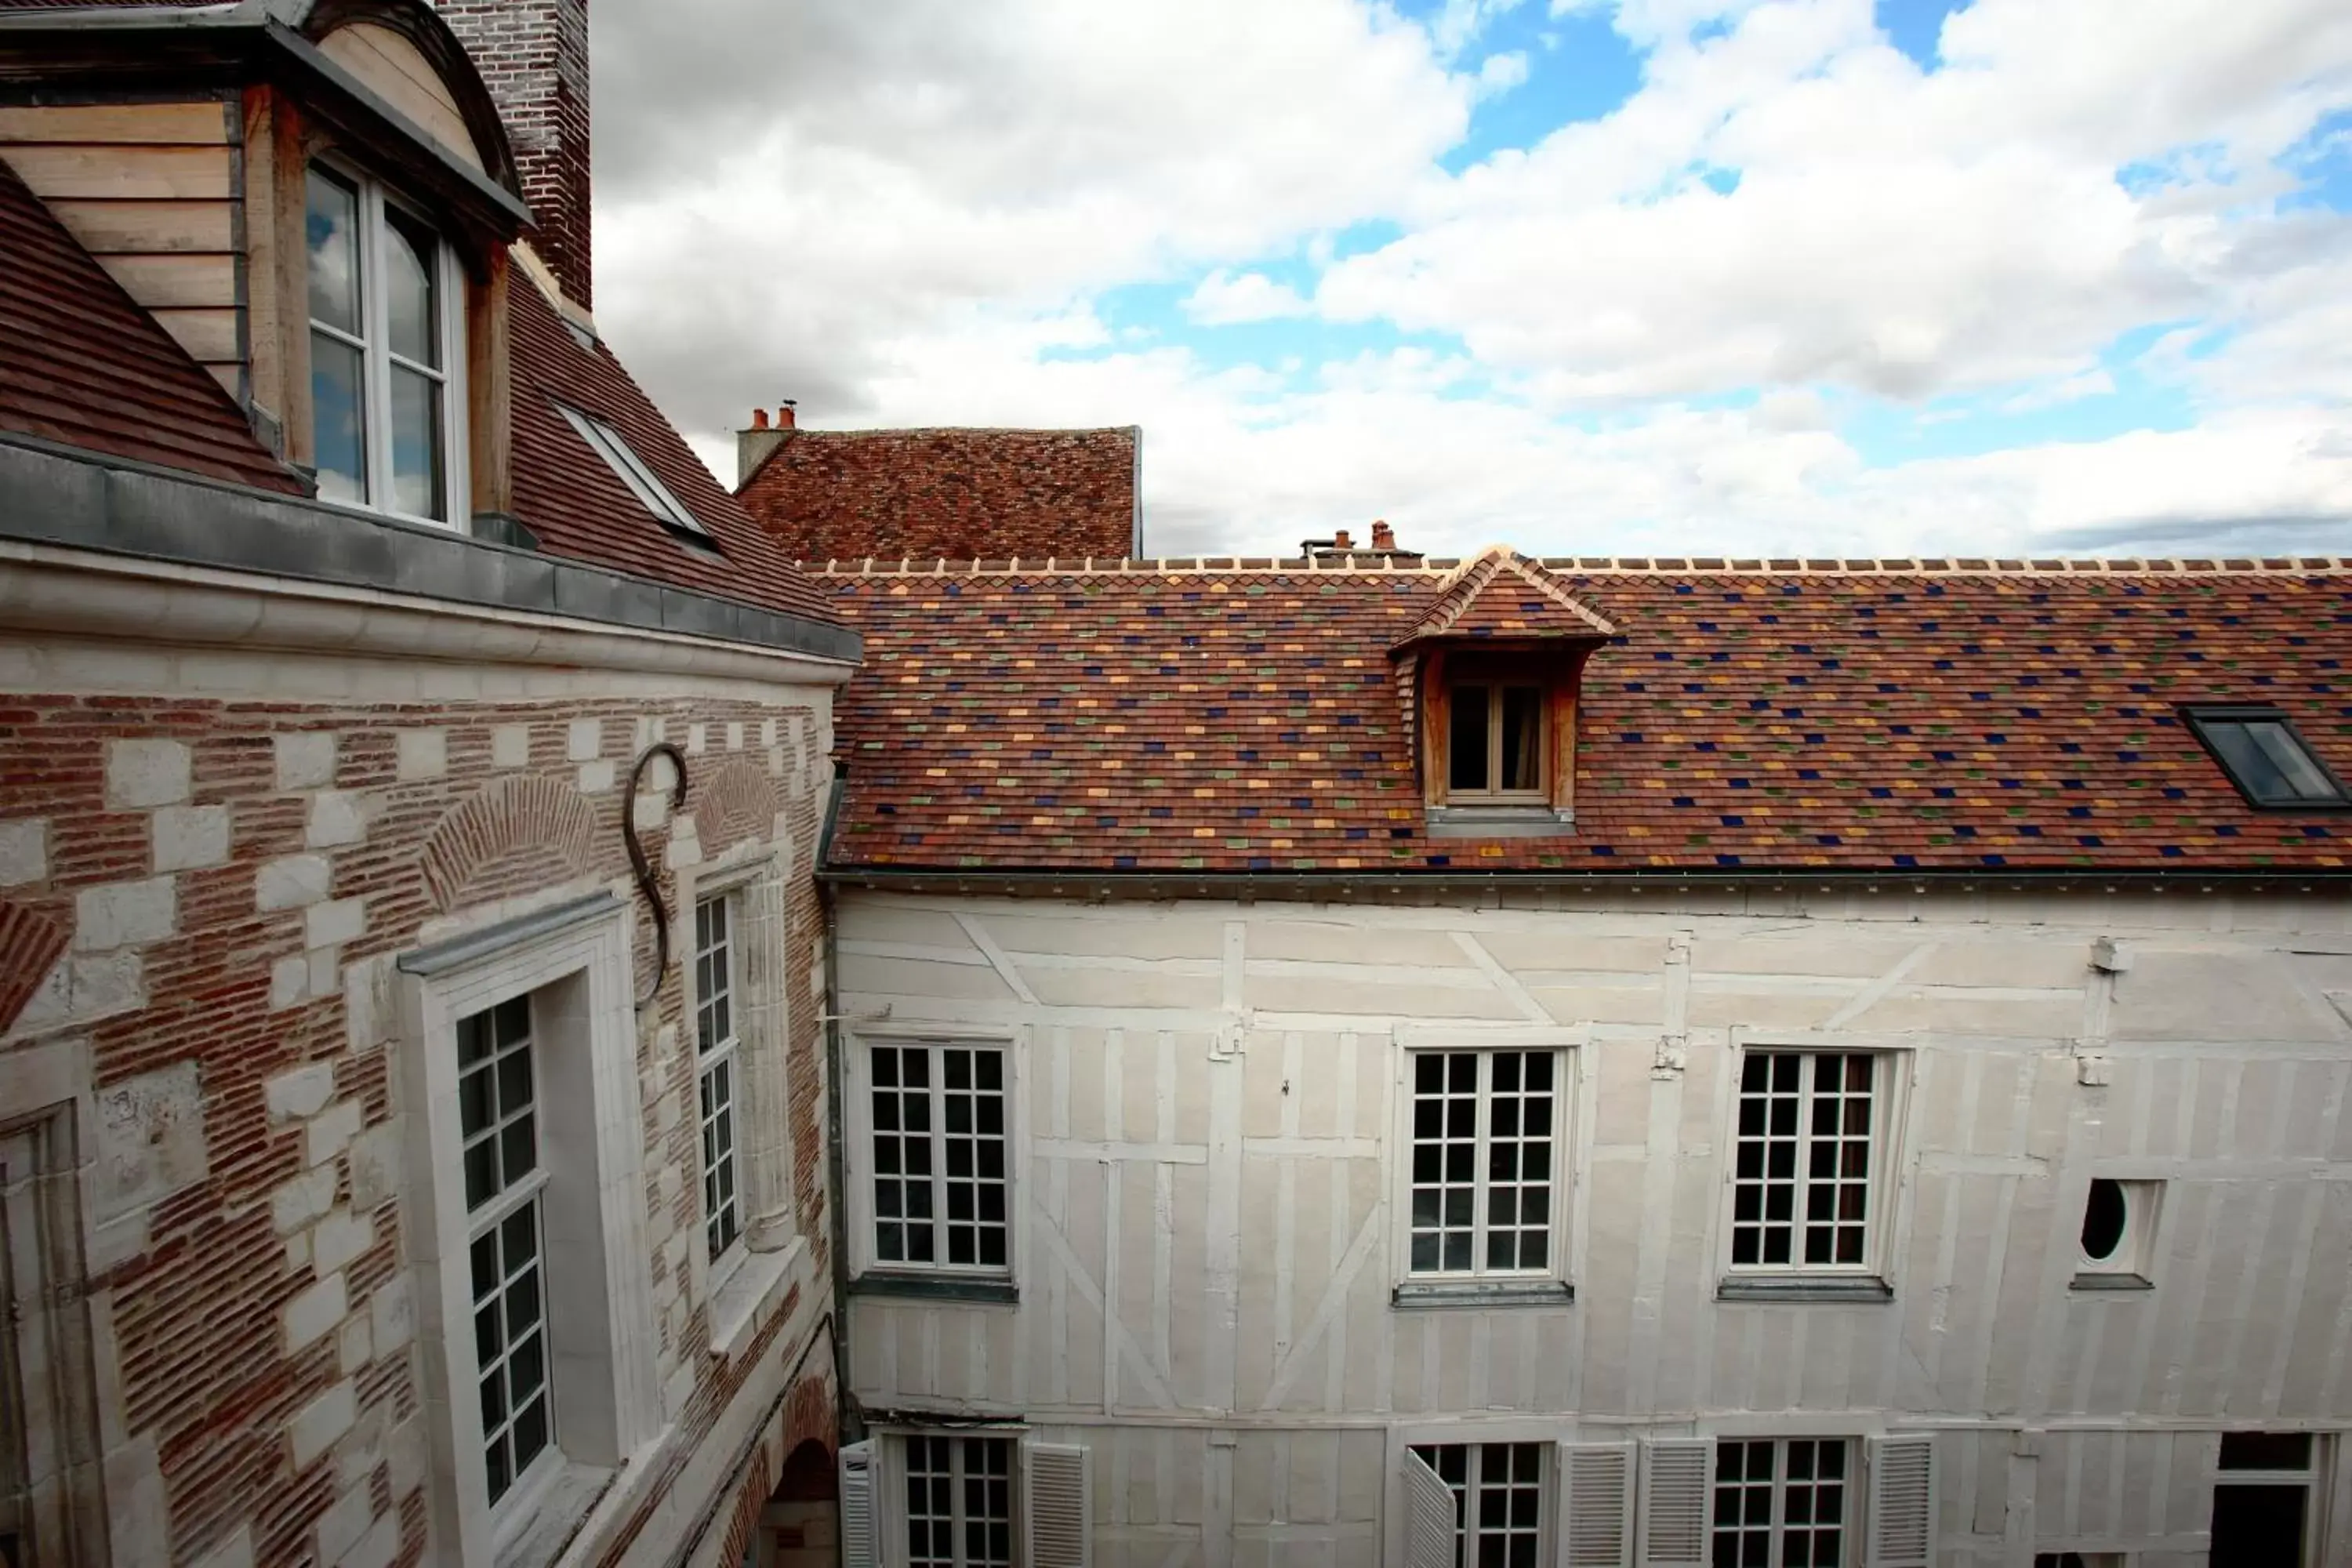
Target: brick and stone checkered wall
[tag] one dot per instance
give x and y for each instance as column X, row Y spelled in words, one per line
column 947, row 494
column 212, row 895
column 533, row 56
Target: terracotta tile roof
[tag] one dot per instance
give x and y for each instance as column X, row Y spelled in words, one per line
column 1242, row 716
column 579, row 507
column 1501, row 596
column 81, row 364
column 922, row 494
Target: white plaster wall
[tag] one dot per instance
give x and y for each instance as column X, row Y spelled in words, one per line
column 1232, row 1203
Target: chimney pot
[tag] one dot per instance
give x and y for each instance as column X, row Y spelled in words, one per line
column 758, row 419
column 785, row 420
column 1339, row 540
column 1383, row 536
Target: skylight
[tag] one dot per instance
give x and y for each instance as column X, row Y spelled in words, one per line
column 642, row 480
column 2264, row 757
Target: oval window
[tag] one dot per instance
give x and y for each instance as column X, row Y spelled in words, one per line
column 2104, row 1220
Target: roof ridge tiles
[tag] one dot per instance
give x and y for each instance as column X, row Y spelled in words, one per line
column 1442, row 567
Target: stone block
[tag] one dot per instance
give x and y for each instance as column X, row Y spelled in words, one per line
column 141, row 775
column 735, row 734
column 586, row 739
column 346, row 1519
column 151, row 1137
column 377, row 1548
column 331, row 1129
column 391, row 1317
column 298, row 1094
column 306, row 761
column 336, row 817
column 315, row 1313
column 292, row 882
column 697, row 739
column 423, row 754
column 188, row 836
column 367, row 1002
column 136, row 1517
column 316, row 1427
column 232, row 1551
column 300, row 1202
column 375, row 1159
column 340, row 1236
column 332, row 924
column 358, row 1346
column 510, row 746
column 361, row 1450
column 120, row 914
column 595, row 777
column 403, row 1457
column 289, row 983
column 24, row 851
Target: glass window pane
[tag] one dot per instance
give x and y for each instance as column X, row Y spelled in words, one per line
column 417, row 487
column 2301, row 775
column 2250, row 764
column 1522, row 737
column 331, row 230
column 410, row 289
column 338, row 419
column 1467, row 761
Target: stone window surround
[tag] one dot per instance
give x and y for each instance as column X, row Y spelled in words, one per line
column 608, row 1389
column 868, row 1274
column 1572, row 1108
column 743, row 1287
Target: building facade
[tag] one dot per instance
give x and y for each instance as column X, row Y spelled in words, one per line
column 1263, row 1098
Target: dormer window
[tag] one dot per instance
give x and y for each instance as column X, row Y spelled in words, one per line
column 386, row 346
column 2268, row 762
column 1495, row 742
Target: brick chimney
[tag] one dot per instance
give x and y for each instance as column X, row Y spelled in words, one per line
column 533, row 56
column 756, row 440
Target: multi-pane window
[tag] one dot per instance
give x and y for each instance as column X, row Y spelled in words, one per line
column 1497, row 1501
column 715, row 1047
column 941, row 1195
column 1484, row 1166
column 383, row 402
column 1804, row 1159
column 498, row 1120
column 959, row 1502
column 2265, row 756
column 1494, row 739
column 1780, row 1502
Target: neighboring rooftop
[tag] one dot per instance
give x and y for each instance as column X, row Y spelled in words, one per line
column 1240, row 715
column 926, row 493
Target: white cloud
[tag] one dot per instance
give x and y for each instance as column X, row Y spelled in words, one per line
column 1499, row 74
column 1223, row 299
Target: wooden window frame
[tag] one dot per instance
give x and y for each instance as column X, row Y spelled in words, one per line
column 1554, row 673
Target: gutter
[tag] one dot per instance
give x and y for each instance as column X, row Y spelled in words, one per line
column 836, row 1174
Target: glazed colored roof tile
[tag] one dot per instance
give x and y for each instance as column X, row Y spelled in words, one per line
column 81, row 364
column 1501, row 596
column 570, row 497
column 1240, row 716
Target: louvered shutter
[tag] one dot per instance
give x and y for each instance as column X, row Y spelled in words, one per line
column 1059, row 1504
column 1901, row 1502
column 1596, row 1505
column 1677, row 1474
column 858, row 1543
column 1428, row 1516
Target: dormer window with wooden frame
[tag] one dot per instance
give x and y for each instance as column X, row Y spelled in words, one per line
column 1490, row 675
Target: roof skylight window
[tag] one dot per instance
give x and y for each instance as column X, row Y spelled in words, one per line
column 642, row 480
column 2264, row 757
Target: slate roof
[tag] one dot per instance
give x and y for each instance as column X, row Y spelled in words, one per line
column 1972, row 716
column 570, row 497
column 82, row 364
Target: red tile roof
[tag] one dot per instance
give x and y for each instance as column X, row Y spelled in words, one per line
column 1504, row 597
column 81, row 364
column 1970, row 715
column 579, row 507
column 923, row 494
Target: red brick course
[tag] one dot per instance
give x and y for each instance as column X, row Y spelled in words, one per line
column 952, row 494
column 533, row 56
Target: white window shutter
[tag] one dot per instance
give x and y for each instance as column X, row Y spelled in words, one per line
column 858, row 1547
column 1596, row 1505
column 1058, row 1507
column 1901, row 1502
column 1428, row 1516
column 1676, row 1476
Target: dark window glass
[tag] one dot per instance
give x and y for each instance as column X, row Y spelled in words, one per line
column 2258, row 1527
column 2104, row 1218
column 1522, row 737
column 2267, row 759
column 1465, row 766
column 2265, row 1450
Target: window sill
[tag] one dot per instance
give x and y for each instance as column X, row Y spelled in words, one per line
column 556, row 1509
column 2097, row 1284
column 748, row 1295
column 1498, row 821
column 936, row 1287
column 1419, row 1295
column 1849, row 1289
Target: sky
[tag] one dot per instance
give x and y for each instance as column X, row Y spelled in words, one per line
column 1585, row 277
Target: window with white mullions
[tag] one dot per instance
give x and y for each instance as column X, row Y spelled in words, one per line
column 498, row 1109
column 1497, row 1501
column 1780, row 1503
column 1802, row 1163
column 940, row 1198
column 715, row 1044
column 1483, row 1162
column 386, row 404
column 959, row 1502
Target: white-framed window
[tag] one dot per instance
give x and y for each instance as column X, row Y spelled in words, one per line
column 644, row 483
column 1485, row 1169
column 388, row 352
column 1810, row 1151
column 939, row 1156
column 718, row 1073
column 2269, row 1498
column 1783, row 1502
column 498, row 1103
column 990, row 1499
column 959, row 1496
column 1498, row 1499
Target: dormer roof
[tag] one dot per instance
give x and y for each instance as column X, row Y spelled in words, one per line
column 1502, row 597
